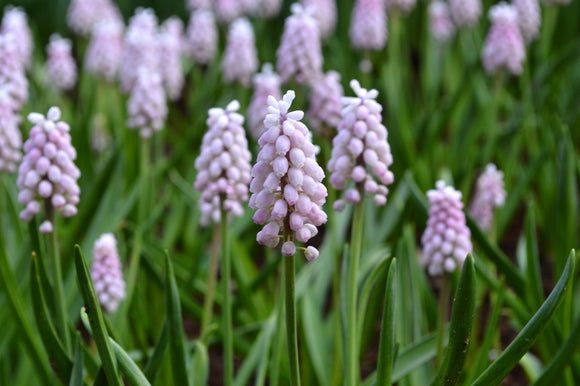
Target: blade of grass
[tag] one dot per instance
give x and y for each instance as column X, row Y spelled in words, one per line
column 76, row 376
column 156, row 360
column 387, row 339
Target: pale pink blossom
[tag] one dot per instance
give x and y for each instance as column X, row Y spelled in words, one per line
column 266, row 83
column 529, row 18
column 12, row 72
column 368, row 25
column 10, row 138
column 228, row 10
column 489, row 194
column 325, row 101
column 465, row 13
column 147, row 105
column 83, row 15
column 202, row 36
column 60, row 67
column 240, row 60
column 15, row 22
column 103, row 56
column 106, row 273
column 171, row 49
column 440, row 23
column 325, row 13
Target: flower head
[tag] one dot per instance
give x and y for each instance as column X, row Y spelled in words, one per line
column 324, row 11
column 83, row 15
column 266, row 83
column 325, row 101
column 60, row 67
column 447, row 240
column 202, row 36
column 171, row 44
column 300, row 52
column 15, row 22
column 47, row 172
column 223, row 165
column 228, row 10
column 368, row 25
column 12, row 72
column 504, row 45
column 147, row 106
column 106, row 273
column 193, row 5
column 270, row 8
column 287, row 192
column 440, row 24
column 10, row 138
column 105, row 48
column 465, row 13
column 360, row 150
column 529, row 18
column 489, row 195
column 240, row 60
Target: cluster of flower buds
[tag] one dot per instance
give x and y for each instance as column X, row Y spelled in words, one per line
column 324, row 11
column 202, row 36
column 287, row 192
column 141, row 48
column 447, row 240
column 105, row 48
column 83, row 15
column 15, row 23
column 106, row 273
column 465, row 13
column 240, row 60
column 300, row 52
column 171, row 46
column 325, row 101
column 60, row 67
column 489, row 194
column 504, row 46
column 360, row 149
column 147, row 106
column 47, row 172
column 529, row 18
column 270, row 8
column 194, row 5
column 10, row 138
column 228, row 10
column 12, row 72
column 266, row 83
column 368, row 25
column 223, row 165
column 440, row 23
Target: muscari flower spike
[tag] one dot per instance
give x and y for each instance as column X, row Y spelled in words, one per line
column 440, row 23
column 105, row 48
column 465, row 13
column 266, row 83
column 287, row 189
column 171, row 44
column 240, row 60
column 10, row 138
column 147, row 105
column 368, row 25
column 202, row 36
column 489, row 194
column 325, row 13
column 15, row 22
column 12, row 72
column 529, row 18
column 106, row 273
column 325, row 101
column 60, row 67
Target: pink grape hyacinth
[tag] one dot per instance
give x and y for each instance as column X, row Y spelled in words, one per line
column 287, row 189
column 202, row 36
column 368, row 25
column 240, row 60
column 106, row 273
column 489, row 194
column 440, row 24
column 15, row 22
column 300, row 52
column 171, row 44
column 60, row 67
column 325, row 101
column 504, row 46
column 529, row 18
column 447, row 240
column 147, row 105
column 465, row 13
column 103, row 56
column 360, row 150
column 10, row 138
column 325, row 13
column 266, row 83
column 223, row 165
column 12, row 72
column 47, row 173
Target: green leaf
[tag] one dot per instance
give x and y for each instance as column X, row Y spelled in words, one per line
column 460, row 327
column 534, row 293
column 61, row 362
column 156, row 360
column 200, row 366
column 387, row 339
column 315, row 334
column 176, row 336
column 555, row 369
column 522, row 343
column 95, row 316
column 132, row 373
column 76, row 376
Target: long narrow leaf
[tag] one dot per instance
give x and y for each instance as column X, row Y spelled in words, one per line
column 387, row 339
column 76, row 376
column 156, row 359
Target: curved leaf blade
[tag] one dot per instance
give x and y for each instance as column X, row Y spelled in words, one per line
column 387, row 339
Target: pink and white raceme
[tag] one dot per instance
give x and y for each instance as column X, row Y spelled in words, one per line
column 228, row 10
column 287, row 189
column 171, row 44
column 325, row 13
column 360, row 151
column 447, row 240
column 504, row 46
column 83, row 15
column 223, row 165
column 325, row 101
column 489, row 194
column 465, row 13
column 147, row 105
column 300, row 52
column 47, row 173
column 15, row 23
column 106, row 273
column 12, row 72
column 60, row 67
column 202, row 36
column 193, row 5
column 368, row 25
column 440, row 23
column 141, row 48
column 240, row 60
column 266, row 83
column 105, row 48
column 10, row 138
column 529, row 18
column 270, row 8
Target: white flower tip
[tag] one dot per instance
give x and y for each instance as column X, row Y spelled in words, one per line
column 233, row 106
column 272, row 101
column 355, row 85
column 53, row 114
column 46, row 227
column 35, row 118
column 289, row 97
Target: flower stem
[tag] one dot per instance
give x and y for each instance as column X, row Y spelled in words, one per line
column 211, row 282
column 443, row 311
column 291, row 313
column 228, row 341
column 61, row 314
column 351, row 331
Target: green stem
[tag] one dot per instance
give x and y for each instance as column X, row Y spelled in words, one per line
column 278, row 339
column 228, row 340
column 291, row 313
column 351, row 330
column 61, row 314
column 211, row 283
column 144, row 165
column 443, row 311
